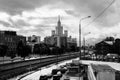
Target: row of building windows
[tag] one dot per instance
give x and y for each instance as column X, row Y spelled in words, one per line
column 11, row 40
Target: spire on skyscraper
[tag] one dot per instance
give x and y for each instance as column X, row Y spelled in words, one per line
column 59, row 22
column 58, row 17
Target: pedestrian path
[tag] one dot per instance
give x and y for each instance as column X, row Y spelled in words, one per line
column 114, row 65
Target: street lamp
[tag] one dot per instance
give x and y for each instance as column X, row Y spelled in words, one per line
column 80, row 35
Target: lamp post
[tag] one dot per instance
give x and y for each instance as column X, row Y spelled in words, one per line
column 84, row 45
column 80, row 35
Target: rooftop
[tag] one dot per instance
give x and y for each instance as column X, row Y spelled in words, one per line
column 102, row 67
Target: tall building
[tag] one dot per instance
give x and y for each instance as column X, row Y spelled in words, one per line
column 59, row 28
column 58, row 38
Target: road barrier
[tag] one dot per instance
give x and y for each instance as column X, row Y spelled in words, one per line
column 91, row 75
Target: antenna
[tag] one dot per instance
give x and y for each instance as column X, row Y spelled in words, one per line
column 58, row 17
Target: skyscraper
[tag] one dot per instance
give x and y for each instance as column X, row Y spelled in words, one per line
column 59, row 28
column 58, row 38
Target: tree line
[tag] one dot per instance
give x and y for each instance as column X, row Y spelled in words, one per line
column 25, row 50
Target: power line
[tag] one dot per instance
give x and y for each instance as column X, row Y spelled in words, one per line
column 101, row 13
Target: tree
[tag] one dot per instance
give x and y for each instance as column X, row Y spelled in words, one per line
column 23, row 50
column 116, row 46
column 27, row 51
column 54, row 50
column 73, row 48
column 36, row 49
column 20, row 48
column 41, row 49
column 12, row 55
column 3, row 51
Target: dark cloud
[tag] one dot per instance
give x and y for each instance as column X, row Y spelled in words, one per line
column 17, row 6
column 47, row 20
column 50, row 21
column 80, row 8
column 18, row 23
column 71, row 12
column 94, row 8
column 42, row 26
column 93, row 41
column 39, row 30
column 5, row 23
column 22, row 23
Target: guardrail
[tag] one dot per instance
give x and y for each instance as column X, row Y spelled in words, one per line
column 91, row 75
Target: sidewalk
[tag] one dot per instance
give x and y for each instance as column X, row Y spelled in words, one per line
column 114, row 65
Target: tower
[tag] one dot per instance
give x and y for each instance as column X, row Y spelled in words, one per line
column 53, row 32
column 59, row 32
column 59, row 22
column 65, row 33
column 59, row 28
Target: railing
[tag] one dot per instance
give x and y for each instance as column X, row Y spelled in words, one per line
column 91, row 75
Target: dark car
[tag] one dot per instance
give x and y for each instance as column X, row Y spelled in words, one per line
column 112, row 57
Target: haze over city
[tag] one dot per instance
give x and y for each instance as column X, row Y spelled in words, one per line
column 39, row 17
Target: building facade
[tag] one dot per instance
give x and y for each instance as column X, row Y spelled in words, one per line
column 57, row 38
column 71, row 42
column 51, row 40
column 11, row 40
column 34, row 38
column 104, row 47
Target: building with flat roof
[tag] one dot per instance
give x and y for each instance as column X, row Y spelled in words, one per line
column 11, row 40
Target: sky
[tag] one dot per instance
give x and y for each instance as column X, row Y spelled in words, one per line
column 39, row 17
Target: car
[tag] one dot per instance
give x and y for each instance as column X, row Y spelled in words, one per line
column 112, row 57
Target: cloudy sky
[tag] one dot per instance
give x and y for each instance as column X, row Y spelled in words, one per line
column 39, row 17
